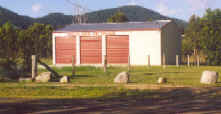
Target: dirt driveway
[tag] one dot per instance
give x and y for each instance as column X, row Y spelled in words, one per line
column 172, row 101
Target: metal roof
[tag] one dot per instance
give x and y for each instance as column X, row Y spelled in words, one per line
column 115, row 26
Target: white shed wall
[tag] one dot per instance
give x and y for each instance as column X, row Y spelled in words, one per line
column 142, row 44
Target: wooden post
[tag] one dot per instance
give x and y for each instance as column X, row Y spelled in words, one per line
column 148, row 57
column 177, row 60
column 34, row 66
column 73, row 66
column 128, row 63
column 164, row 60
column 198, row 61
column 105, row 63
column 188, row 60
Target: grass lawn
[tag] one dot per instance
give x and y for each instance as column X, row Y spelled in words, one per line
column 182, row 76
column 24, row 91
column 100, row 95
column 92, row 82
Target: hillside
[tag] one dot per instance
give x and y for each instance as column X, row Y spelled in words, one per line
column 14, row 18
column 134, row 13
column 55, row 19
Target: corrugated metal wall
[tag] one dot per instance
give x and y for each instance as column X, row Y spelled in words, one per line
column 171, row 43
column 91, row 50
column 117, row 49
column 65, row 49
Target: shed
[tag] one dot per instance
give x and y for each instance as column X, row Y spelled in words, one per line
column 119, row 43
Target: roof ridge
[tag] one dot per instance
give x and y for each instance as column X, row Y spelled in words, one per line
column 116, row 26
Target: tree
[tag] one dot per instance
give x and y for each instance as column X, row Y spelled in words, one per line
column 191, row 41
column 36, row 40
column 8, row 42
column 9, row 48
column 17, row 46
column 118, row 18
column 150, row 19
column 204, row 35
column 211, row 36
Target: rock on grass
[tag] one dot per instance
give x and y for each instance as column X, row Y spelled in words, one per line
column 209, row 77
column 122, row 77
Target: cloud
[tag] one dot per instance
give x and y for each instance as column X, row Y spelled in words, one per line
column 163, row 8
column 36, row 7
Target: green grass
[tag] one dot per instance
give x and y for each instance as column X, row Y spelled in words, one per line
column 182, row 76
column 92, row 82
column 55, row 92
column 47, row 61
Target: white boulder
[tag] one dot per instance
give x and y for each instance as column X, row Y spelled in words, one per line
column 64, row 79
column 162, row 80
column 122, row 77
column 209, row 77
column 43, row 77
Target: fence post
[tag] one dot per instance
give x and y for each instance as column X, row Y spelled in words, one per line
column 73, row 66
column 198, row 61
column 164, row 60
column 188, row 60
column 148, row 57
column 128, row 63
column 177, row 60
column 105, row 63
column 34, row 66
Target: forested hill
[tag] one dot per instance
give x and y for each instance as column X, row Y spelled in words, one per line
column 134, row 13
column 55, row 19
column 14, row 18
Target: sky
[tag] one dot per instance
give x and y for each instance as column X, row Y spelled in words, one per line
column 181, row 9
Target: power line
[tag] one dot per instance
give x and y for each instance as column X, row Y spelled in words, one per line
column 79, row 11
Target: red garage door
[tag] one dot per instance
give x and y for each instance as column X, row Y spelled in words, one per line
column 117, row 49
column 65, row 49
column 91, row 50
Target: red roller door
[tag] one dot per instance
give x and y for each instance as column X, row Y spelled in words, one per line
column 117, row 49
column 91, row 50
column 65, row 49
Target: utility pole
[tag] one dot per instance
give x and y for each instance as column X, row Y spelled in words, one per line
column 79, row 15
